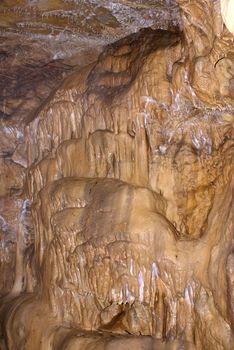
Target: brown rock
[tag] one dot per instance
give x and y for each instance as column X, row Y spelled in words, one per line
column 128, row 183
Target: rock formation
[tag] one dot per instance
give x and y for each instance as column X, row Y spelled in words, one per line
column 125, row 234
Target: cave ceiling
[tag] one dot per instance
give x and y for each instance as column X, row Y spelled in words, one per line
column 42, row 41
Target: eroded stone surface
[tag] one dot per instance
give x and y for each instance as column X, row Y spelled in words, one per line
column 129, row 185
column 41, row 42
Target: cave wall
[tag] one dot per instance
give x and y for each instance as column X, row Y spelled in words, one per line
column 127, row 201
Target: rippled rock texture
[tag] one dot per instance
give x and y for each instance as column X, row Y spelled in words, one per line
column 125, row 224
column 42, row 42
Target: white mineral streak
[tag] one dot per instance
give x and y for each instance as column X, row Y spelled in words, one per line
column 154, row 270
column 141, row 286
column 227, row 8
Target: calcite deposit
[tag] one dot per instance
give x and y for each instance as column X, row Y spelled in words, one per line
column 123, row 188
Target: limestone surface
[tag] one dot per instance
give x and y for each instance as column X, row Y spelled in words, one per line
column 125, row 199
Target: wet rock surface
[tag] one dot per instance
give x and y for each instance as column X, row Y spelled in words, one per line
column 117, row 191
